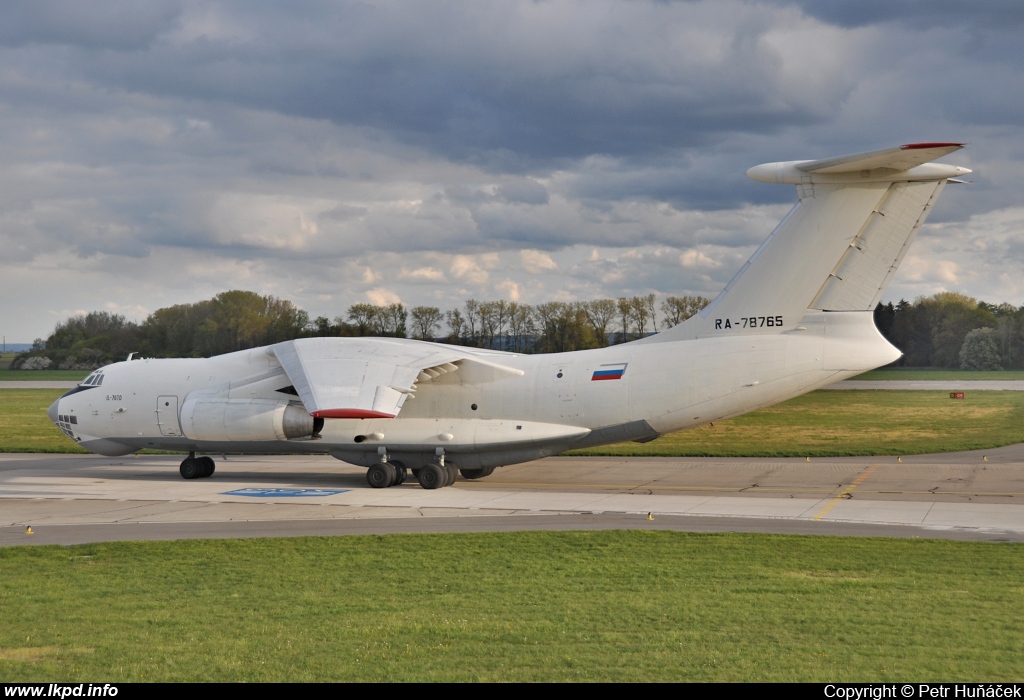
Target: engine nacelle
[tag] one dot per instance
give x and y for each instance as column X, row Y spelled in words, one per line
column 222, row 420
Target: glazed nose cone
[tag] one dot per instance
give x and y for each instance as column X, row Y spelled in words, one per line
column 52, row 411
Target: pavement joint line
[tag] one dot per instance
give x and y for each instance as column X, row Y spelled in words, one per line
column 847, row 491
column 928, row 512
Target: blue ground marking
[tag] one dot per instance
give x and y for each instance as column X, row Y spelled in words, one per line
column 284, row 493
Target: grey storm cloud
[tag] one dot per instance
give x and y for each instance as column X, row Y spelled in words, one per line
column 332, row 152
column 111, row 24
column 524, row 191
column 539, row 81
column 1003, row 15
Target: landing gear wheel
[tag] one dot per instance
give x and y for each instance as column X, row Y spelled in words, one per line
column 453, row 473
column 208, row 466
column 401, row 474
column 432, row 476
column 380, row 475
column 476, row 473
column 190, row 468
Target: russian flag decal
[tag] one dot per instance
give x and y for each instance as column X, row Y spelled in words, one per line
column 609, row 372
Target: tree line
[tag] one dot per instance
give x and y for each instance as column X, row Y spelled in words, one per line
column 954, row 330
column 238, row 320
column 944, row 330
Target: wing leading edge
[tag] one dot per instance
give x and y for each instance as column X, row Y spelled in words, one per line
column 372, row 377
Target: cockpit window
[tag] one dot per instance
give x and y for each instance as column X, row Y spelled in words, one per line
column 94, row 379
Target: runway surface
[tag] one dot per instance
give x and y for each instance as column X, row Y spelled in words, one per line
column 70, row 499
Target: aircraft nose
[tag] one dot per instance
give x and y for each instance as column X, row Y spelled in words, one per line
column 52, row 411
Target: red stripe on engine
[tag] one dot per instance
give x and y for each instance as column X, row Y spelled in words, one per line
column 350, row 413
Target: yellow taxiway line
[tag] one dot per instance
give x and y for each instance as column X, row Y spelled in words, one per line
column 847, row 491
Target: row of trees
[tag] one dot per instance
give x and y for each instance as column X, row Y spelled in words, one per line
column 553, row 326
column 944, row 330
column 237, row 320
column 934, row 332
column 230, row 321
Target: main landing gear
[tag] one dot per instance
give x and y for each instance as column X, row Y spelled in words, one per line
column 437, row 475
column 476, row 473
column 433, row 475
column 384, row 474
column 193, row 467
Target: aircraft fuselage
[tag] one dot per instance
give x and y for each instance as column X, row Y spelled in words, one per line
column 633, row 391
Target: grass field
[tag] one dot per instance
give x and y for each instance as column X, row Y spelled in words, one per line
column 534, row 606
column 823, row 423
column 927, row 374
column 835, row 423
column 24, row 425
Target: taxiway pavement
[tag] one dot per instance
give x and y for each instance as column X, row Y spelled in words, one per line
column 70, row 499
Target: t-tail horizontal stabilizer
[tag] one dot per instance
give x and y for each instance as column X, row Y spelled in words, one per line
column 838, row 247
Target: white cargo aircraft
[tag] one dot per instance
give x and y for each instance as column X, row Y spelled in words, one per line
column 796, row 317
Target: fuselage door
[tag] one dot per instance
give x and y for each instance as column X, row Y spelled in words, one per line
column 167, row 416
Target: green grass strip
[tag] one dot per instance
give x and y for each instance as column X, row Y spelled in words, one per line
column 534, row 606
column 820, row 424
column 927, row 374
column 838, row 423
column 24, row 425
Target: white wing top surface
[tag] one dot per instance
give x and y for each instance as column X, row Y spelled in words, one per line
column 372, row 377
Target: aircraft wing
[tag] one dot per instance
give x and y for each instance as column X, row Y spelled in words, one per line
column 372, row 377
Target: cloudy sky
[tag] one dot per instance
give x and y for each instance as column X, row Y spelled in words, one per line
column 336, row 152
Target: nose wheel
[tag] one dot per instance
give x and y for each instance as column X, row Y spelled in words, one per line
column 193, row 467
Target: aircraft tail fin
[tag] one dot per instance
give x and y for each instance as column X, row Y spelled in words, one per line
column 837, row 248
